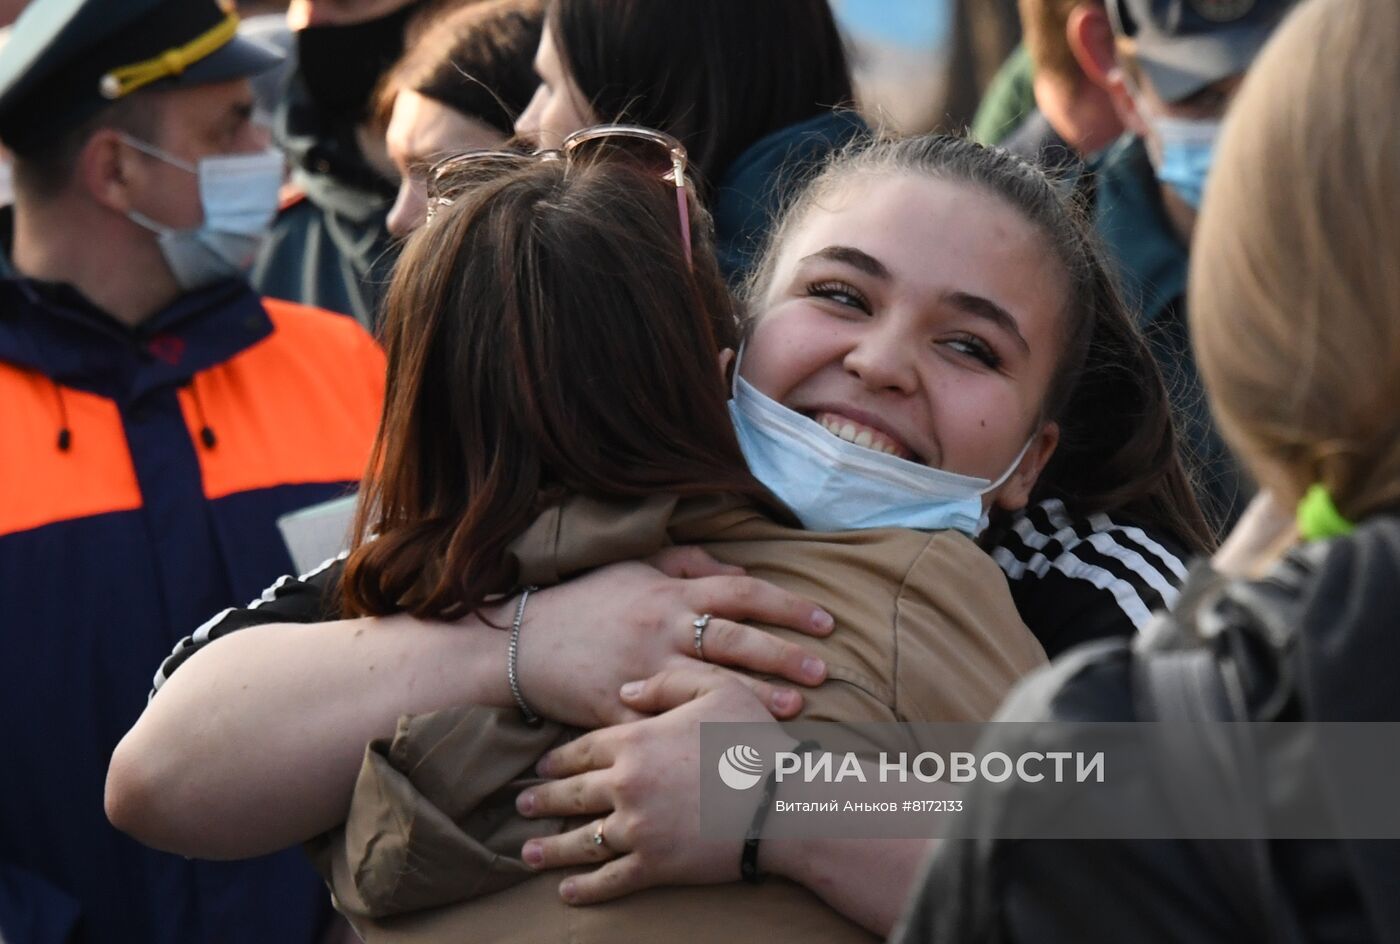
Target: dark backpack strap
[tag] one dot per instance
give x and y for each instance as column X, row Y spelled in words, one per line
column 1193, row 691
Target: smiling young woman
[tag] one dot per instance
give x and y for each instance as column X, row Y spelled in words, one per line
column 923, row 268
column 884, row 325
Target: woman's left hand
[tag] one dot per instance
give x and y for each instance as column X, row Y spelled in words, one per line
column 643, row 779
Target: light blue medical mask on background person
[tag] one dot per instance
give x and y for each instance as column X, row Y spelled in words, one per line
column 1188, row 148
column 834, row 485
column 239, row 194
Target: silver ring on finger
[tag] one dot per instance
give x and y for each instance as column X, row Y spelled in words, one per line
column 700, row 625
column 599, row 839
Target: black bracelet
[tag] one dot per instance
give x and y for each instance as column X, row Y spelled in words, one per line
column 748, row 861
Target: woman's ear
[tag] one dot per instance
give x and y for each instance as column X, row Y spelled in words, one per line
column 726, row 359
column 1016, row 493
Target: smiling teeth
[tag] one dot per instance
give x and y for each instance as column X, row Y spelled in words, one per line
column 859, row 435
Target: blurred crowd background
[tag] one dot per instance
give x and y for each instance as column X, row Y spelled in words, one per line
column 919, row 65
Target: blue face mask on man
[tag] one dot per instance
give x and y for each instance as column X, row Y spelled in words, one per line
column 834, row 485
column 1184, row 149
column 239, row 196
column 1187, row 151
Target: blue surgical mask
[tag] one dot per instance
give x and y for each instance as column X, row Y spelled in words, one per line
column 1188, row 148
column 1185, row 149
column 834, row 485
column 239, row 195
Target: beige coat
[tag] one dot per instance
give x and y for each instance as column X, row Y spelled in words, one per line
column 925, row 631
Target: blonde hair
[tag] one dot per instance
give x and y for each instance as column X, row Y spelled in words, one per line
column 1295, row 287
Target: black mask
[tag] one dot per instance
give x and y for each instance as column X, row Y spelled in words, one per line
column 341, row 65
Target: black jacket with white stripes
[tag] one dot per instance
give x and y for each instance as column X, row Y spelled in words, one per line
column 1080, row 577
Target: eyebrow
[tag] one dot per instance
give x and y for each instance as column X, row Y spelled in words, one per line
column 853, row 258
column 985, row 308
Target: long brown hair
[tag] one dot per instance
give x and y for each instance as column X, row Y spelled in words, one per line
column 545, row 336
column 1118, row 448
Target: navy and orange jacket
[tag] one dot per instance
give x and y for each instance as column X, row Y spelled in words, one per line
column 141, row 475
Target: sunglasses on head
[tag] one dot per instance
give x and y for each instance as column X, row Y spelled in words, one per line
column 648, row 149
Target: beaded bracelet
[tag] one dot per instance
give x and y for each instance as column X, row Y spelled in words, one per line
column 513, row 658
column 748, row 861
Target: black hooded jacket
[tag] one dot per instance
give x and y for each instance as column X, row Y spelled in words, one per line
column 1337, row 603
